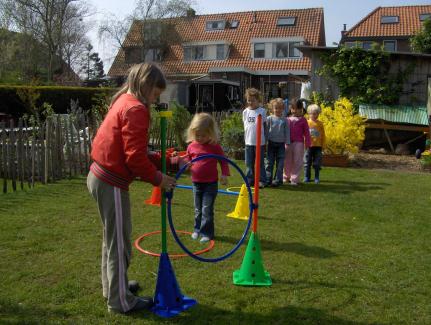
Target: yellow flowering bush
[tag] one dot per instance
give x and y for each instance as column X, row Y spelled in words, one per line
column 344, row 129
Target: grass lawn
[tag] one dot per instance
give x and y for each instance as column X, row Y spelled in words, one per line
column 351, row 250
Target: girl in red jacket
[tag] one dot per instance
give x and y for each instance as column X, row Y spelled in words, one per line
column 203, row 135
column 120, row 154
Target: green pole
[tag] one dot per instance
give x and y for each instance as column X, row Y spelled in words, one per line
column 163, row 125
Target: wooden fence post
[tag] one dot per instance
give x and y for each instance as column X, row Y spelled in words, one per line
column 11, row 154
column 4, row 156
column 47, row 142
column 20, row 154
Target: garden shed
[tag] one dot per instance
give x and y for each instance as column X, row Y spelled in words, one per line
column 389, row 126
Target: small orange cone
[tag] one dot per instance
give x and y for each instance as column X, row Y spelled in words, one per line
column 156, row 197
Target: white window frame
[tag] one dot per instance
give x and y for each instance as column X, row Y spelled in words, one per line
column 389, row 19
column 190, row 51
column 254, row 51
column 234, row 24
column 286, row 21
column 209, row 25
column 391, row 41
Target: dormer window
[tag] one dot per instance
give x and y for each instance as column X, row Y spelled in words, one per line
column 390, row 19
column 423, row 17
column 215, row 25
column 234, row 24
column 286, row 21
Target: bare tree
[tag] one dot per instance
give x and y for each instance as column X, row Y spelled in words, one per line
column 148, row 23
column 47, row 21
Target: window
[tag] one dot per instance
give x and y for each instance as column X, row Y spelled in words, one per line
column 153, row 55
column 220, row 52
column 193, row 53
column 259, row 50
column 284, row 50
column 293, row 51
column 281, row 50
column 215, row 25
column 234, row 24
column 390, row 46
column 390, row 19
column 206, row 52
column 286, row 21
column 350, row 44
column 423, row 17
column 367, row 45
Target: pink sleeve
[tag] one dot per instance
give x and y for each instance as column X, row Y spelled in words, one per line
column 306, row 130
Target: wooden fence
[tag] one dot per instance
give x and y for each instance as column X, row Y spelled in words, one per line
column 55, row 149
column 58, row 148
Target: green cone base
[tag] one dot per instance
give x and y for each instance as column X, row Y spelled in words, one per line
column 252, row 272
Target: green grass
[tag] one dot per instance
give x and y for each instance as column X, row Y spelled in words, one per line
column 351, row 250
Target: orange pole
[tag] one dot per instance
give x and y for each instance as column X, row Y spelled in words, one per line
column 257, row 170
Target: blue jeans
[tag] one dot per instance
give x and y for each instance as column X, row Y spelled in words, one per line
column 312, row 157
column 275, row 156
column 204, row 198
column 250, row 157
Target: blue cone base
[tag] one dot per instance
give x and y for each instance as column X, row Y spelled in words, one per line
column 168, row 299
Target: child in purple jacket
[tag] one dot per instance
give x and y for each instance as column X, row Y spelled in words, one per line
column 299, row 138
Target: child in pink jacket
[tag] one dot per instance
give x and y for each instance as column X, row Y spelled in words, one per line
column 299, row 138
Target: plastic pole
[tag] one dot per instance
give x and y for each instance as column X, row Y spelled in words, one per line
column 257, row 170
column 163, row 126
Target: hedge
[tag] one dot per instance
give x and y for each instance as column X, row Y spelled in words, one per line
column 58, row 97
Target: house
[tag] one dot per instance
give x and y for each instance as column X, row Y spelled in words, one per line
column 212, row 59
column 391, row 27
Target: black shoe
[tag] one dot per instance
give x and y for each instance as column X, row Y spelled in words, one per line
column 134, row 286
column 144, row 303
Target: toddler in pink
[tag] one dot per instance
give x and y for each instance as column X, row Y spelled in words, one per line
column 299, row 138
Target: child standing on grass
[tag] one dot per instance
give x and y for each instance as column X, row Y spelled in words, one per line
column 313, row 155
column 203, row 136
column 249, row 118
column 299, row 137
column 119, row 154
column 278, row 139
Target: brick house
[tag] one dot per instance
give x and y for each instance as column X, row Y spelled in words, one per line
column 391, row 27
column 214, row 58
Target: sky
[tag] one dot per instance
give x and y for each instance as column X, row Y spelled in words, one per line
column 336, row 13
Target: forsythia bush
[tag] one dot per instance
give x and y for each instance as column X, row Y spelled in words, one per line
column 344, row 129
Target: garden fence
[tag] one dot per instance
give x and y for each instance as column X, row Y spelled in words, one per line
column 55, row 149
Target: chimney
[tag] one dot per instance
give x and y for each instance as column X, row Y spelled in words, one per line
column 191, row 12
column 344, row 30
column 254, row 18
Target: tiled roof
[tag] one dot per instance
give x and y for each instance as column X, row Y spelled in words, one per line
column 408, row 24
column 309, row 25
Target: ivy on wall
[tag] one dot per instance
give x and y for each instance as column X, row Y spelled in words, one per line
column 364, row 75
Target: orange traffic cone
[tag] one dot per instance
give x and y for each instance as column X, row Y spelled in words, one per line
column 156, row 197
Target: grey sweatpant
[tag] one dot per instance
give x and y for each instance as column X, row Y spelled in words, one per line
column 114, row 209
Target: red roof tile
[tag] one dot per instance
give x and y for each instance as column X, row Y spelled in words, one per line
column 309, row 25
column 408, row 24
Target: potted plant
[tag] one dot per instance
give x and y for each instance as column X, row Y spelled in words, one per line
column 425, row 157
column 344, row 130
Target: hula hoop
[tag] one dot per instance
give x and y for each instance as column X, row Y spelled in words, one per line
column 139, row 248
column 169, row 196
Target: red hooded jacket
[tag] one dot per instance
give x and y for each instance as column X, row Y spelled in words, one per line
column 120, row 147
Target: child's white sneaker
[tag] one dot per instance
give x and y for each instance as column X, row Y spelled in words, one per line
column 204, row 239
column 195, row 235
column 293, row 184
